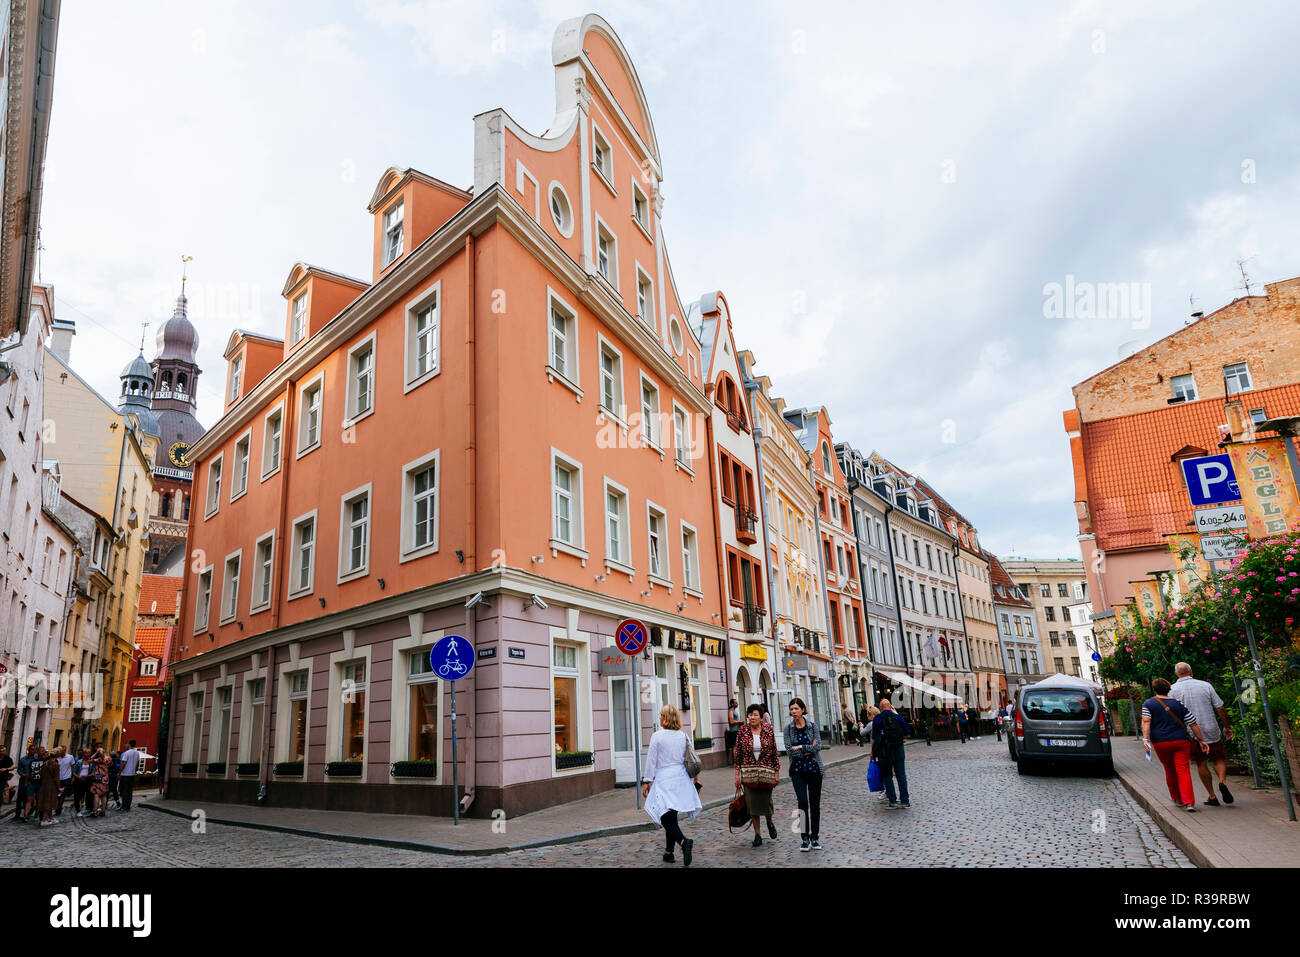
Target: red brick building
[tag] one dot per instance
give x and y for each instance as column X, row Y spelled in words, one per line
column 154, row 630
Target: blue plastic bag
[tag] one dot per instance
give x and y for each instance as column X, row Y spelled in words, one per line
column 874, row 783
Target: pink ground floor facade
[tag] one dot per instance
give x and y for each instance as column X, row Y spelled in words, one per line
column 344, row 712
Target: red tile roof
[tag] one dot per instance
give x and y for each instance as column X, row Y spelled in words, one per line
column 159, row 595
column 1005, row 589
column 1136, row 491
column 153, row 644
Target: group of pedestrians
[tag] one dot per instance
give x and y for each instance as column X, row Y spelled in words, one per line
column 1186, row 723
column 46, row 780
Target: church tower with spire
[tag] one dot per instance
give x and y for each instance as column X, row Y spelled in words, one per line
column 174, row 400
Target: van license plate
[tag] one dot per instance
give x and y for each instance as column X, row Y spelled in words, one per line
column 1063, row 742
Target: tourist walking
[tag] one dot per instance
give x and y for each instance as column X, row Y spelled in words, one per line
column 758, row 769
column 1168, row 726
column 47, row 798
column 1200, row 698
column 850, row 726
column 733, row 724
column 803, row 744
column 65, row 762
column 667, row 787
column 890, row 730
column 126, row 776
column 29, row 783
column 99, row 774
column 961, row 723
column 973, row 717
column 871, row 711
column 81, row 782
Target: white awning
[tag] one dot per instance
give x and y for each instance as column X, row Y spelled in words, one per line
column 922, row 687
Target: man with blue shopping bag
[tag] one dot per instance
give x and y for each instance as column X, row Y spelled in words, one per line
column 889, row 731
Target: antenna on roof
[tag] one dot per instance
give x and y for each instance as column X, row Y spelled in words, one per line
column 1245, row 279
column 144, row 328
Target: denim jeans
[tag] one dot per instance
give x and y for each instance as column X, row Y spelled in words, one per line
column 894, row 766
column 808, row 795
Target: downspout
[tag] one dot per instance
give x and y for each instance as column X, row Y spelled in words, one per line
column 751, row 387
column 471, row 518
column 723, row 605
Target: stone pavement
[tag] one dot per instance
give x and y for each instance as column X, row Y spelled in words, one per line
column 1251, row 832
column 607, row 814
column 969, row 809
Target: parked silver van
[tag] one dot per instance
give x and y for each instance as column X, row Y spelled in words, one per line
column 1060, row 718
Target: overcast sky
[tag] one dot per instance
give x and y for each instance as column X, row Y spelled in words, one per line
column 883, row 193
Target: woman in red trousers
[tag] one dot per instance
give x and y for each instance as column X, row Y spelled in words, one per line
column 1169, row 728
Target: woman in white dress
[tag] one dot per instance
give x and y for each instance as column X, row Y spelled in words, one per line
column 668, row 790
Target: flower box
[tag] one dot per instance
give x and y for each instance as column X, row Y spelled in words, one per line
column 249, row 768
column 703, row 744
column 574, row 759
column 215, row 767
column 190, row 767
column 414, row 769
column 343, row 769
column 289, row 769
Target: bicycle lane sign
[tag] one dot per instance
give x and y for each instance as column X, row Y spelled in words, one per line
column 451, row 658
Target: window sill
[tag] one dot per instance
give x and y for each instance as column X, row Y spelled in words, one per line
column 555, row 375
column 199, row 628
column 421, row 379
column 222, row 622
column 305, row 593
column 353, row 575
column 558, row 546
column 605, row 414
column 600, row 175
column 258, row 609
column 653, row 446
column 644, row 228
column 350, row 422
column 694, row 593
column 661, row 582
column 307, row 450
column 242, row 493
column 683, row 467
column 208, row 515
column 270, row 474
column 615, row 565
column 421, row 552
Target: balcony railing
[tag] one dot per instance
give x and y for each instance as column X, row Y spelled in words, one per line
column 735, row 421
column 807, row 639
column 746, row 524
column 755, row 616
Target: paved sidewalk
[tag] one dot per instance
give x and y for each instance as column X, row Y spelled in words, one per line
column 602, row 815
column 1252, row 832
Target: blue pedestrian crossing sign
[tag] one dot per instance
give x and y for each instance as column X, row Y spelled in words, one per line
column 631, row 636
column 451, row 658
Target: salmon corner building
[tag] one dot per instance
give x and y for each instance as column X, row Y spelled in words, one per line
column 504, row 433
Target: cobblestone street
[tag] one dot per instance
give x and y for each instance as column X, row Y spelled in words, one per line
column 969, row 809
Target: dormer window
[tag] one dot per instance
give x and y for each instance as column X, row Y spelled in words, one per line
column 393, row 232
column 236, row 371
column 297, row 322
column 149, row 666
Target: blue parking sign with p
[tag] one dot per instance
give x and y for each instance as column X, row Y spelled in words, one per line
column 1210, row 480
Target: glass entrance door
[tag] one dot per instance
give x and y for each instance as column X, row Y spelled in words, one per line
column 621, row 699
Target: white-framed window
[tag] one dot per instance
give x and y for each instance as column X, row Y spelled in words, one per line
column 230, row 586
column 243, row 452
column 361, row 380
column 566, row 685
column 617, row 545
column 302, row 574
column 298, row 685
column 213, row 501
column 561, row 210
column 219, row 736
column 681, row 436
column 272, row 441
column 611, row 379
column 650, row 412
column 657, row 543
column 566, row 502
column 141, row 709
column 606, row 253
column 193, row 728
column 1237, row 377
column 311, row 402
column 298, row 319
column 236, row 374
column 826, row 459
column 148, row 667
column 251, row 722
column 352, row 724
column 420, row 489
column 562, row 336
column 203, row 599
column 698, row 691
column 423, row 707
column 354, row 534
column 423, row 336
column 640, row 206
column 1184, row 387
column 645, row 298
column 263, row 571
column 393, row 232
column 602, row 157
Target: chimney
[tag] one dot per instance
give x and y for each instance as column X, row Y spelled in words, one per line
column 61, row 339
column 1241, row 428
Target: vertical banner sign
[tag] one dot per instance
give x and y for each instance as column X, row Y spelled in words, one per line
column 1127, row 617
column 1268, row 491
column 1149, row 603
column 1189, row 565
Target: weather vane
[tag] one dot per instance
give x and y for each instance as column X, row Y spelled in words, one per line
column 184, row 270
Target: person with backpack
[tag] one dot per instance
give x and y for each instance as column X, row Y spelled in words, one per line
column 803, row 744
column 890, row 730
column 667, row 786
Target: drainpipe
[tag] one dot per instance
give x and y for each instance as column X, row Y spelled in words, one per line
column 723, row 605
column 268, row 715
column 288, row 433
column 750, row 388
column 471, row 517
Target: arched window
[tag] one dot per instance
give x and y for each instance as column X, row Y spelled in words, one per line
column 186, row 516
column 166, row 511
column 166, row 380
column 180, row 383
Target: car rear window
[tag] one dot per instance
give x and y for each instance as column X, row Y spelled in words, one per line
column 1059, row 704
